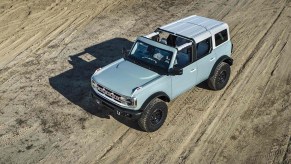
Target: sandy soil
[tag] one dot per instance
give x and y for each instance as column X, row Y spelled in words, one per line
column 49, row 49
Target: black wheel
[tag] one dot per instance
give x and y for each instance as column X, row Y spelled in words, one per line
column 220, row 77
column 154, row 115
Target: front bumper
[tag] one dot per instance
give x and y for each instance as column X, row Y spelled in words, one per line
column 131, row 114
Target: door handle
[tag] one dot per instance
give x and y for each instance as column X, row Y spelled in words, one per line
column 193, row 70
column 212, row 59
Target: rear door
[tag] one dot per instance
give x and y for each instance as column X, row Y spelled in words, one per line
column 205, row 59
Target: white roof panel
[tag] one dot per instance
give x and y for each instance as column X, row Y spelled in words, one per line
column 191, row 26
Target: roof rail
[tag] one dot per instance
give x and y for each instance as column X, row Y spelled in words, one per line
column 184, row 46
column 152, row 34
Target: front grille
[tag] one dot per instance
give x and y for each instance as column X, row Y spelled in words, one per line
column 107, row 92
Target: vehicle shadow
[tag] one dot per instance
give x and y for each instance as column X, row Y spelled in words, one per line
column 204, row 85
column 74, row 84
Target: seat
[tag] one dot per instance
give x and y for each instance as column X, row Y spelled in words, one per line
column 182, row 60
column 150, row 50
column 202, row 49
column 180, row 42
column 164, row 41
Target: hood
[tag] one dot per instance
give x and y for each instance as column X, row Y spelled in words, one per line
column 124, row 77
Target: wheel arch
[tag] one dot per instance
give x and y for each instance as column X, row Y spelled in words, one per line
column 223, row 58
column 161, row 95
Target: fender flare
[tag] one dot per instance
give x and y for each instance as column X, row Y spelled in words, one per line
column 223, row 58
column 153, row 96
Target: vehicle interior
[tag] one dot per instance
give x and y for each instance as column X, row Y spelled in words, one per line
column 184, row 55
column 185, row 50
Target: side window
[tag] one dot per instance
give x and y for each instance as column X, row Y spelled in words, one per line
column 183, row 58
column 203, row 48
column 221, row 37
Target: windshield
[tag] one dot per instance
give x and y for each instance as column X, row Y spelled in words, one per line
column 151, row 55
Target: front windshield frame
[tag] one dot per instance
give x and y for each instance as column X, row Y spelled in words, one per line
column 150, row 65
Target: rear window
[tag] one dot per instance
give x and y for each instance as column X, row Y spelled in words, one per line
column 221, row 37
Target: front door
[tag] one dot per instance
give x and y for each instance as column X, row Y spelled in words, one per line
column 182, row 83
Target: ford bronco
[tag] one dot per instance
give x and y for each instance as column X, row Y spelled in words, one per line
column 161, row 66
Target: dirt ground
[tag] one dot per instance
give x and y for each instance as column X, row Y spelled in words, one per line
column 49, row 49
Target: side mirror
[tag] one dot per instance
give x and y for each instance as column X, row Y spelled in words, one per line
column 124, row 52
column 176, row 71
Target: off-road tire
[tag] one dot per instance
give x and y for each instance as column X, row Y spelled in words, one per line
column 220, row 76
column 146, row 120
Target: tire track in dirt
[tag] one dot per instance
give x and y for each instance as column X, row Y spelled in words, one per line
column 54, row 32
column 113, row 145
column 31, row 20
column 242, row 87
column 46, row 23
column 259, row 43
column 17, row 47
column 12, row 10
column 287, row 154
column 79, row 22
column 239, row 72
column 12, row 137
column 275, row 67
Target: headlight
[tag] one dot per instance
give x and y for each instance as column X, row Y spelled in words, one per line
column 131, row 102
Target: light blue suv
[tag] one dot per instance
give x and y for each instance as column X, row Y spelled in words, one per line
column 163, row 65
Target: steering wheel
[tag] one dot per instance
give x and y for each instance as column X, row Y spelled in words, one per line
column 144, row 57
